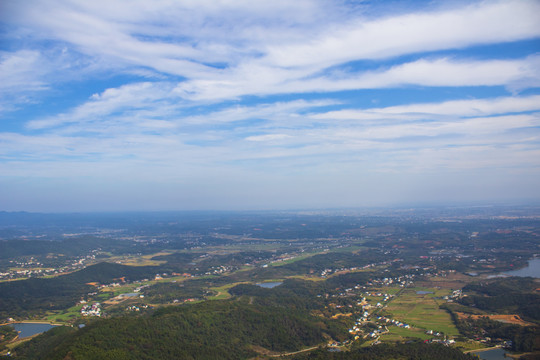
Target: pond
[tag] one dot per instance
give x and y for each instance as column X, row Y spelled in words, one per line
column 269, row 285
column 423, row 292
column 130, row 294
column 494, row 354
column 30, row 329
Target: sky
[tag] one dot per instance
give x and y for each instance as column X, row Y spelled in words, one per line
column 254, row 105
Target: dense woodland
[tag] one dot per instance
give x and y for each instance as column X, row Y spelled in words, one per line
column 37, row 295
column 230, row 329
column 523, row 338
column 505, row 296
column 7, row 333
column 501, row 296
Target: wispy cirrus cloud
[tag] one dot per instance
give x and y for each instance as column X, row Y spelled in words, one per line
column 129, row 100
column 447, row 28
column 454, row 108
column 283, row 98
column 216, row 48
column 440, row 72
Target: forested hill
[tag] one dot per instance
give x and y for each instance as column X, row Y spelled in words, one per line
column 209, row 330
column 105, row 272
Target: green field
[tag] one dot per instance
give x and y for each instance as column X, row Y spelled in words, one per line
column 422, row 311
column 65, row 315
column 399, row 334
column 297, row 258
column 222, row 291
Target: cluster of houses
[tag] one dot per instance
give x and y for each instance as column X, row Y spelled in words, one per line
column 219, row 270
column 356, row 330
column 33, row 268
column 91, row 310
column 122, row 282
column 456, row 294
column 139, row 288
column 357, row 327
column 446, row 342
column 393, row 322
column 385, row 296
column 136, row 308
column 377, row 332
column 176, row 301
column 401, row 281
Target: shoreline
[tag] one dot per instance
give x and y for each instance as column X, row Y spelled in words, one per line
column 32, row 322
column 482, row 350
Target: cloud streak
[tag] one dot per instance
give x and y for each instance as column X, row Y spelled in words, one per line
column 306, row 99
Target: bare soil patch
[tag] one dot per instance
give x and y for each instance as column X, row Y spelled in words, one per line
column 509, row 319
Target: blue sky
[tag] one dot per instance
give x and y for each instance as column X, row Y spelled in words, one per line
column 241, row 104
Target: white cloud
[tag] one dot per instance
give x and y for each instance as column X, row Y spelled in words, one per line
column 442, row 72
column 21, row 77
column 277, row 111
column 514, row 74
column 125, row 99
column 267, row 45
column 453, row 108
column 473, row 127
column 268, row 137
column 479, row 23
column 21, row 71
column 215, row 104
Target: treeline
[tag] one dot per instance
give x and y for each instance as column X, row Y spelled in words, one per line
column 66, row 248
column 76, row 246
column 524, row 338
column 34, row 296
column 303, row 296
column 7, row 333
column 415, row 350
column 164, row 293
column 502, row 296
column 507, row 296
column 202, row 262
column 295, row 294
column 316, row 264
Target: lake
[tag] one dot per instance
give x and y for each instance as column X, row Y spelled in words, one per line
column 532, row 270
column 29, row 329
column 495, row 354
column 269, row 285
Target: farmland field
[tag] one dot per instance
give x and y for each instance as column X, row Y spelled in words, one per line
column 422, row 310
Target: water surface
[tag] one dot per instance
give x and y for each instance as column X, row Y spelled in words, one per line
column 130, row 294
column 532, row 270
column 30, row 329
column 495, row 354
column 269, row 285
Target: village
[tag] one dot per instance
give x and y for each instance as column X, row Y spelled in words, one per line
column 31, row 267
column 372, row 318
